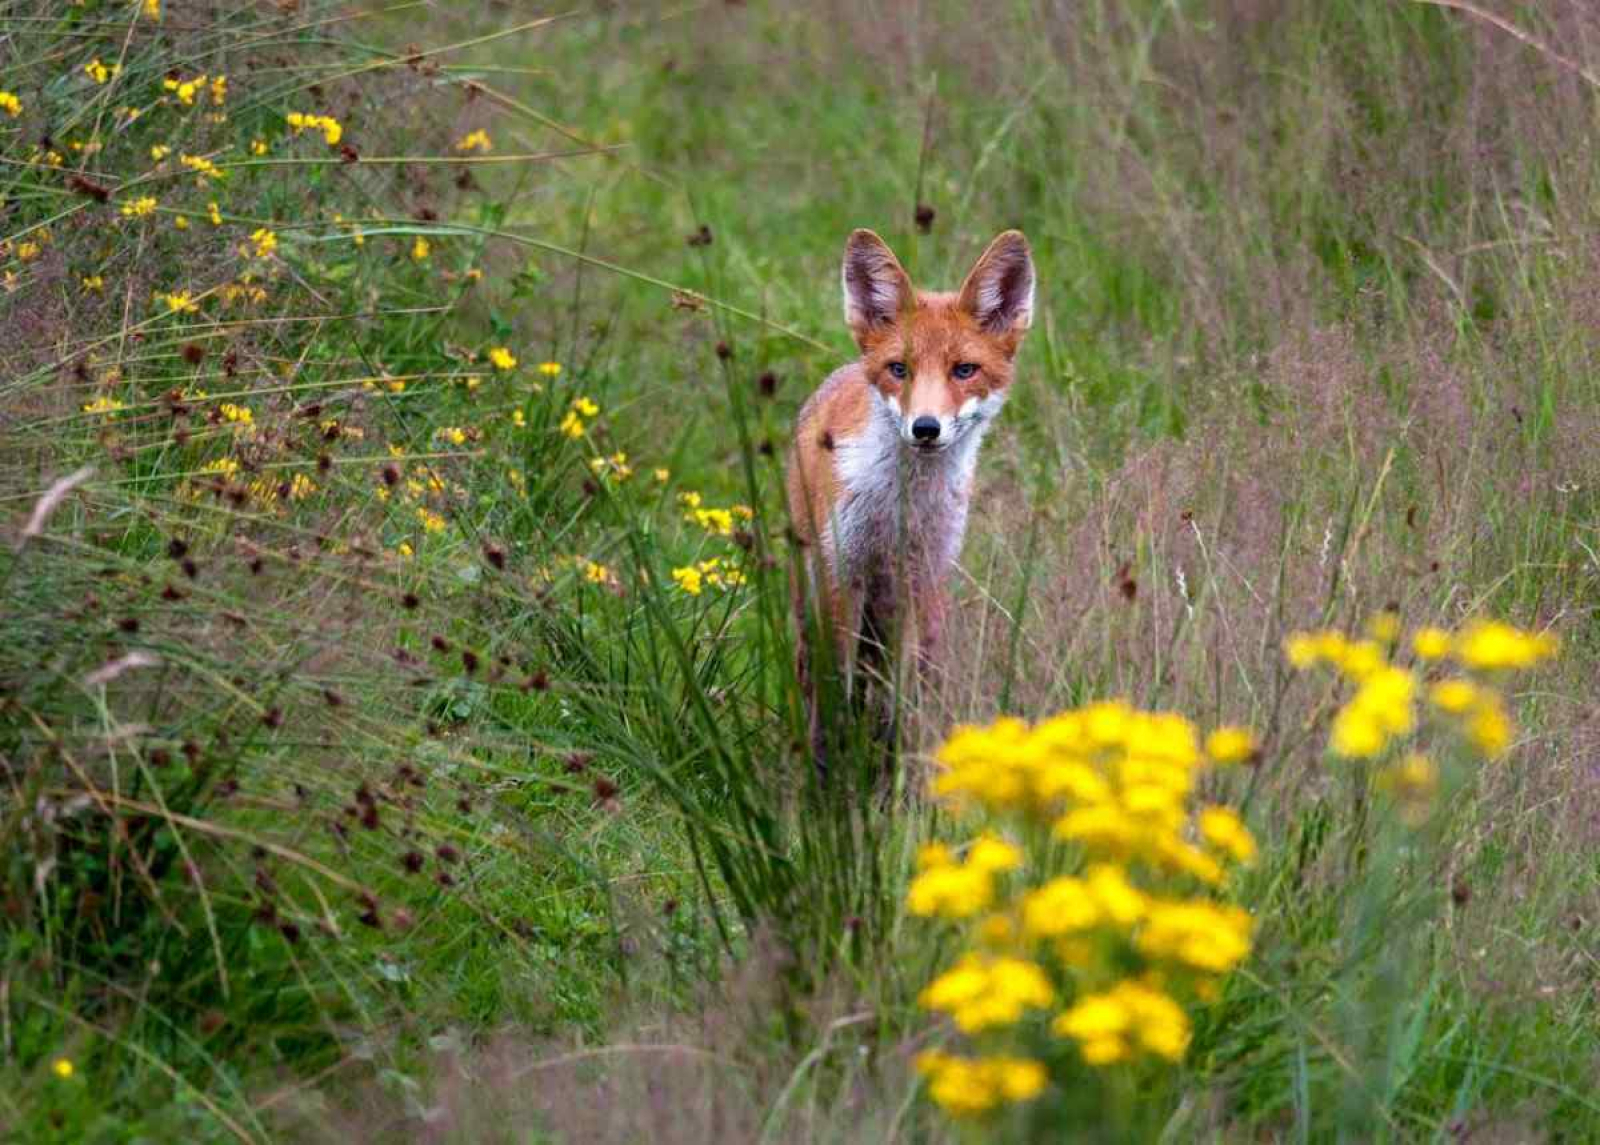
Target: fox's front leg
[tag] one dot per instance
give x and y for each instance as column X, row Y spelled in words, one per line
column 933, row 607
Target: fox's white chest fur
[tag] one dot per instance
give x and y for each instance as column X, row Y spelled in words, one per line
column 901, row 512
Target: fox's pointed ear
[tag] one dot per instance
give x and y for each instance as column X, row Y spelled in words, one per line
column 999, row 291
column 876, row 289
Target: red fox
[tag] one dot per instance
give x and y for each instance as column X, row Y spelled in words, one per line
column 881, row 472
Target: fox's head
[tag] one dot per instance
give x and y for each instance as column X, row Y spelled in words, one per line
column 941, row 362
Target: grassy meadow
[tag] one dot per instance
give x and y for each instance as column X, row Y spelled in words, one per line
column 398, row 724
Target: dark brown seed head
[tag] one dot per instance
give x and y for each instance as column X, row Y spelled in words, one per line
column 767, row 383
column 924, row 218
column 193, row 353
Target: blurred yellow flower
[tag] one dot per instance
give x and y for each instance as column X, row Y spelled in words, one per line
column 688, row 579
column 1490, row 645
column 502, row 359
column 138, row 208
column 100, row 72
column 63, row 1068
column 10, row 104
column 213, row 213
column 152, row 9
column 550, row 369
column 331, row 130
column 420, row 249
column 94, row 282
column 265, row 242
column 1430, row 643
column 968, row 1087
column 103, row 405
column 180, row 301
column 1231, row 744
column 474, row 141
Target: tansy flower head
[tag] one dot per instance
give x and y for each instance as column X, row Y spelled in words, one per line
column 1231, row 745
column 265, row 242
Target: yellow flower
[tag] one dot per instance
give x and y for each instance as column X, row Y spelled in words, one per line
column 95, row 283
column 332, row 132
column 258, row 147
column 213, row 213
column 1489, row 728
column 1490, row 645
column 63, row 1068
column 431, row 521
column 301, row 487
column 662, row 476
column 219, row 90
column 474, row 141
column 969, row 1087
column 181, row 222
column 585, row 407
column 28, row 251
column 1231, row 745
column 152, row 9
column 180, row 301
column 550, row 369
column 1129, row 1018
column 453, row 434
column 983, row 992
column 595, row 573
column 10, row 104
column 238, row 415
column 716, row 521
column 1454, row 695
column 518, row 419
column 100, row 72
column 201, row 166
column 688, row 579
column 1201, row 934
column 572, row 425
column 184, row 89
column 502, row 359
column 265, row 242
column 1224, row 830
column 138, row 208
column 159, row 152
column 420, row 249
column 1430, row 643
column 103, row 405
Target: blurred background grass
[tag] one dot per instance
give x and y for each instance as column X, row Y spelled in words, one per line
column 485, row 830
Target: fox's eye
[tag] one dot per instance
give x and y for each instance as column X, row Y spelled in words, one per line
column 964, row 370
column 897, row 369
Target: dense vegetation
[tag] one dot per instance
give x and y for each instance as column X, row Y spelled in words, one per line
column 397, row 719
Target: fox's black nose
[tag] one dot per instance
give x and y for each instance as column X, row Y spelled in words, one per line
column 925, row 429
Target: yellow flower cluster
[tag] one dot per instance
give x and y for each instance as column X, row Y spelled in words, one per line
column 616, row 466
column 1383, row 708
column 331, row 130
column 100, row 72
column 573, row 424
column 502, row 359
column 138, row 208
column 185, row 90
column 10, row 104
column 1112, row 946
column 967, row 1087
column 201, row 166
column 265, row 242
column 475, row 141
column 694, row 579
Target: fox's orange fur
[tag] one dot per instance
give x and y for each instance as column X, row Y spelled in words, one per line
column 881, row 472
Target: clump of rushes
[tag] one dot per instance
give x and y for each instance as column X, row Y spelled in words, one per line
column 1090, row 908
